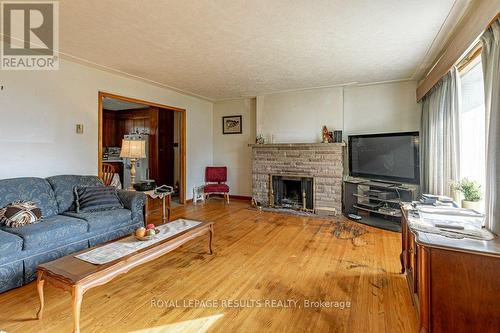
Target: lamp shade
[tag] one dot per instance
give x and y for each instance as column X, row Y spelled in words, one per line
column 133, row 149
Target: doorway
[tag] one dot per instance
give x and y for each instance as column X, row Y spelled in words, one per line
column 162, row 127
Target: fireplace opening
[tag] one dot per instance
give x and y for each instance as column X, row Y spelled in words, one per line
column 292, row 192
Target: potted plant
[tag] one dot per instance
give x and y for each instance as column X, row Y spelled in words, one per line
column 472, row 193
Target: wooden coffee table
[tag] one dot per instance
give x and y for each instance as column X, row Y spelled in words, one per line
column 77, row 276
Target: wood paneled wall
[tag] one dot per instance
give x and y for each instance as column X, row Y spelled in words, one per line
column 118, row 123
column 166, row 156
column 158, row 123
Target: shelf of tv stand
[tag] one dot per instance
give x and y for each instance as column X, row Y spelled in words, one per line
column 395, row 201
column 376, row 211
column 355, row 194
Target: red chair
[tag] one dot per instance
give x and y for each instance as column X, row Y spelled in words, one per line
column 217, row 175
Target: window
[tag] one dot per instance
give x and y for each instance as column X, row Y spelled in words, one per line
column 472, row 124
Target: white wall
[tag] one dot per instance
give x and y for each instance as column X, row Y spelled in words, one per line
column 299, row 116
column 232, row 150
column 380, row 108
column 39, row 110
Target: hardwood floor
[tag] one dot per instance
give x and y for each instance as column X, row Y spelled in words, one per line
column 258, row 257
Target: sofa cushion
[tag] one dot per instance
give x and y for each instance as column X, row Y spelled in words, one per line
column 96, row 198
column 51, row 232
column 216, row 188
column 9, row 243
column 104, row 237
column 64, row 185
column 37, row 190
column 103, row 221
column 20, row 213
column 32, row 262
column 134, row 201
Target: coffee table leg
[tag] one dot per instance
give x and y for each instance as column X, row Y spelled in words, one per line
column 39, row 285
column 211, row 235
column 77, row 303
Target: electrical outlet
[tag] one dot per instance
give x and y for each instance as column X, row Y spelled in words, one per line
column 79, row 128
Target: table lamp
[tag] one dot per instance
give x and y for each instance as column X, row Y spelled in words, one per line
column 133, row 149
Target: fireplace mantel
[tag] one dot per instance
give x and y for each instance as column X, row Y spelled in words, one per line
column 291, row 145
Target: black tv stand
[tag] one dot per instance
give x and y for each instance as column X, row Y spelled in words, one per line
column 377, row 202
column 389, row 183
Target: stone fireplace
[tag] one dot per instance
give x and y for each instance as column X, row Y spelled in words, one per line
column 306, row 176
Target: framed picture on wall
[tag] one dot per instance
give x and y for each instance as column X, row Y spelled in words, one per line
column 232, row 125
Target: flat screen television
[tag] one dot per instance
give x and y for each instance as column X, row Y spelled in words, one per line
column 391, row 157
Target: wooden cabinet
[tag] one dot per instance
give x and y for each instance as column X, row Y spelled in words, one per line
column 409, row 253
column 454, row 283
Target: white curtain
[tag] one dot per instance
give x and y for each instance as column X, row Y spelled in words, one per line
column 440, row 139
column 490, row 58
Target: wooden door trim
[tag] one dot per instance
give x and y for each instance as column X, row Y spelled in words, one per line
column 101, row 95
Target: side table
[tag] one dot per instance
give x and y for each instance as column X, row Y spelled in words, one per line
column 165, row 198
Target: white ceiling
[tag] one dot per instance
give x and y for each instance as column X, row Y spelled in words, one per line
column 232, row 48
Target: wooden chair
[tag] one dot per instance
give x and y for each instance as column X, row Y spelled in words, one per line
column 108, row 172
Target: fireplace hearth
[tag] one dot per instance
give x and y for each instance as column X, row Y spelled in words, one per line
column 293, row 192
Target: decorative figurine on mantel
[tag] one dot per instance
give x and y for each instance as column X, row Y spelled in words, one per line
column 326, row 136
column 260, row 139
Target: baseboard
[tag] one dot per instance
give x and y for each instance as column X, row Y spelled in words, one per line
column 231, row 196
column 240, row 197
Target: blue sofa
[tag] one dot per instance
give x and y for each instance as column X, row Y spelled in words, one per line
column 62, row 231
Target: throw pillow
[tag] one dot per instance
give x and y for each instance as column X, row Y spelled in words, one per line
column 96, row 198
column 20, row 213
